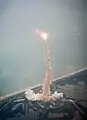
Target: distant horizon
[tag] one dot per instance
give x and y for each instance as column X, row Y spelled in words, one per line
column 31, row 87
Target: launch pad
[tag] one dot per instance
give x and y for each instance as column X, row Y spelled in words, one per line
column 18, row 107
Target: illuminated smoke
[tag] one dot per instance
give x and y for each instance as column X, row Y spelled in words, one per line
column 42, row 34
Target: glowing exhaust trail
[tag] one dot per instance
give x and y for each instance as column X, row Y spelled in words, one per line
column 48, row 78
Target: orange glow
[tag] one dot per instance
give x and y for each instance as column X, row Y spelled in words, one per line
column 42, row 34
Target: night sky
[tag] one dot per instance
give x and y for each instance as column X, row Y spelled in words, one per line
column 22, row 62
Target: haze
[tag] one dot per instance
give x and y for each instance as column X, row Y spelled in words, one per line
column 22, row 56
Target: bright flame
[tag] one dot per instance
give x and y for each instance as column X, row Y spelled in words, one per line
column 42, row 34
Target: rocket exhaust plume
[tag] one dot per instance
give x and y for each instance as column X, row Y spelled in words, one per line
column 48, row 78
column 42, row 34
